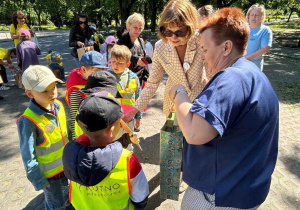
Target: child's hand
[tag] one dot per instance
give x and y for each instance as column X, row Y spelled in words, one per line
column 137, row 123
column 46, row 187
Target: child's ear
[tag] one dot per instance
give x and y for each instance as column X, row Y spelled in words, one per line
column 110, row 131
column 128, row 64
column 29, row 93
column 83, row 69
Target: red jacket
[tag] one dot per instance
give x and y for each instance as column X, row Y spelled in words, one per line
column 74, row 79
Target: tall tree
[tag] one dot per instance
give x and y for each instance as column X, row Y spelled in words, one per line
column 125, row 7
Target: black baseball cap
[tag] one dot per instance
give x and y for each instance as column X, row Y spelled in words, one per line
column 98, row 111
column 101, row 81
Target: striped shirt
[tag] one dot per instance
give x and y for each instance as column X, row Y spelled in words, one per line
column 75, row 99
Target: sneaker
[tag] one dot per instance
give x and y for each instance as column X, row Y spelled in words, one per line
column 9, row 84
column 3, row 87
column 136, row 129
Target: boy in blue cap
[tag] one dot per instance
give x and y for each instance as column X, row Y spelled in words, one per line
column 90, row 62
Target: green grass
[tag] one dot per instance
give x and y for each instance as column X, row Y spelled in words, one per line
column 45, row 27
column 289, row 93
column 292, row 25
column 4, row 27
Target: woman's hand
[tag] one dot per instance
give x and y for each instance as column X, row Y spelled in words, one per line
column 80, row 44
column 173, row 90
column 141, row 63
column 129, row 115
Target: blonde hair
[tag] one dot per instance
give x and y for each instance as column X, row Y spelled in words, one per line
column 206, row 10
column 178, row 13
column 134, row 18
column 261, row 8
column 121, row 52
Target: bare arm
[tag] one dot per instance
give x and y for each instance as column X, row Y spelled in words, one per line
column 258, row 53
column 195, row 128
column 14, row 36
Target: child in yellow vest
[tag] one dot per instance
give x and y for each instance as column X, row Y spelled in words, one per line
column 43, row 135
column 127, row 82
column 103, row 174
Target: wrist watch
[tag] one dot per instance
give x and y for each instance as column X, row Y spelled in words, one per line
column 177, row 91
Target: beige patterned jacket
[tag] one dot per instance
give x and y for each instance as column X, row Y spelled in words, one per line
column 166, row 58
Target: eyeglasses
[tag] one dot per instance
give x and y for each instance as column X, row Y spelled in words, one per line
column 179, row 33
column 117, row 63
column 80, row 22
column 22, row 18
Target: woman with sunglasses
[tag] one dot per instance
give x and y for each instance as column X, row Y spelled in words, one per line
column 19, row 22
column 80, row 35
column 260, row 38
column 177, row 53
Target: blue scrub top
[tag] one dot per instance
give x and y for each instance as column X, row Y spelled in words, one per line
column 240, row 103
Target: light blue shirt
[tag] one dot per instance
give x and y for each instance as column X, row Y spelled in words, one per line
column 259, row 37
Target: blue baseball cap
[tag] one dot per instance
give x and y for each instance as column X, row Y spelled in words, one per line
column 94, row 59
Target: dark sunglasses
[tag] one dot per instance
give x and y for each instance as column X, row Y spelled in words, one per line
column 179, row 33
column 80, row 22
column 22, row 18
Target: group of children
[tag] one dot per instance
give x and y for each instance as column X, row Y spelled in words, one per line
column 97, row 157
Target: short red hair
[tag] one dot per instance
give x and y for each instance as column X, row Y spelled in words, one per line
column 228, row 24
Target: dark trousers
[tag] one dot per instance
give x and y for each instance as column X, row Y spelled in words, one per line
column 54, row 66
column 3, row 73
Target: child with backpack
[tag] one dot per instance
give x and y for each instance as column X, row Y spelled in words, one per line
column 55, row 62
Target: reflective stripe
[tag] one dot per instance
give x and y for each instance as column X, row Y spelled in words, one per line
column 41, row 151
column 51, row 165
column 128, row 96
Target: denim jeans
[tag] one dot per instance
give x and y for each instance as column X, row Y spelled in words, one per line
column 77, row 62
column 54, row 66
column 57, row 195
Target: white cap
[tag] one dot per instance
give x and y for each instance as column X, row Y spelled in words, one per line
column 38, row 78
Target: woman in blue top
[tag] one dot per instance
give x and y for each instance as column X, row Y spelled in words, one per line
column 260, row 38
column 230, row 130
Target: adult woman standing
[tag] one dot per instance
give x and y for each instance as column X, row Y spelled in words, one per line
column 231, row 128
column 19, row 22
column 260, row 39
column 135, row 25
column 80, row 35
column 177, row 53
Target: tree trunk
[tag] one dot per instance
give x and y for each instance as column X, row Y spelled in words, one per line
column 292, row 10
column 145, row 14
column 125, row 7
column 153, row 15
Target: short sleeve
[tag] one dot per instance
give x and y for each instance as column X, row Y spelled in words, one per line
column 267, row 38
column 221, row 101
column 12, row 29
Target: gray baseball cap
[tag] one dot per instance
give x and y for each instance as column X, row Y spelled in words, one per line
column 38, row 78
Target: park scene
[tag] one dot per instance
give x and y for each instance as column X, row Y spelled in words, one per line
column 100, row 26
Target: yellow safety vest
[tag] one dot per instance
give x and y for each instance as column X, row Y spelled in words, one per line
column 77, row 129
column 49, row 153
column 128, row 94
column 68, row 92
column 112, row 193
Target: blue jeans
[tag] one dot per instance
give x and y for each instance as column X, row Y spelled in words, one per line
column 54, row 66
column 77, row 62
column 57, row 195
